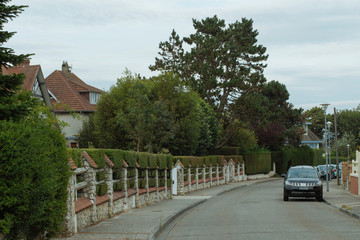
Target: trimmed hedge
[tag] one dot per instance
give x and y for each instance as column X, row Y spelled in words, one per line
column 257, row 163
column 227, row 151
column 101, row 189
column 291, row 156
column 75, row 154
column 116, row 156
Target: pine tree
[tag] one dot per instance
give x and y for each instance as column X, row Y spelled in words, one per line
column 14, row 103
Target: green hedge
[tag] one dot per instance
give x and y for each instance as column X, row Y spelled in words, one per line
column 291, row 156
column 116, row 156
column 75, row 154
column 98, row 155
column 256, row 163
column 235, row 158
column 227, row 151
column 101, row 189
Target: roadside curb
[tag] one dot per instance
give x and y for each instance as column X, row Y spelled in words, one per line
column 343, row 210
column 155, row 233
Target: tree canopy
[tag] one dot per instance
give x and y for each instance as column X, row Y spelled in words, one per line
column 223, row 63
column 14, row 103
column 153, row 115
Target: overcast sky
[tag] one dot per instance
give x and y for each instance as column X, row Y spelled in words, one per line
column 313, row 45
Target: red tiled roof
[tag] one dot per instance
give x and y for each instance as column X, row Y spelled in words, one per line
column 30, row 72
column 67, row 90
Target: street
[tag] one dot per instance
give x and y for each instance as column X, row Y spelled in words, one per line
column 259, row 212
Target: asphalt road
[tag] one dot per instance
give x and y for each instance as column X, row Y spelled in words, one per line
column 259, row 212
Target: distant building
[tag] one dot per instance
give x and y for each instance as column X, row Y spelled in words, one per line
column 34, row 80
column 73, row 96
column 309, row 138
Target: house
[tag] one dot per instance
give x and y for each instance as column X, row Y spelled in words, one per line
column 34, row 80
column 309, row 138
column 75, row 101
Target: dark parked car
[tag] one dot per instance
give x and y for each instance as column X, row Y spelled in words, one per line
column 322, row 170
column 302, row 181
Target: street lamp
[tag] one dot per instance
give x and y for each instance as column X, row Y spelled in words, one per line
column 324, row 107
column 348, row 146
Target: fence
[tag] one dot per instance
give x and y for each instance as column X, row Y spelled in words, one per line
column 100, row 189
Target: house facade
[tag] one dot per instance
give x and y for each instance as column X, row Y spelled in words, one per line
column 75, row 101
column 34, row 80
column 309, row 138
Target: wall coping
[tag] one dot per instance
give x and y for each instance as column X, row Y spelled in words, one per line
column 82, row 203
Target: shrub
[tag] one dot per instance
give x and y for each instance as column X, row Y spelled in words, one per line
column 257, row 163
column 101, row 189
column 34, row 174
column 143, row 159
column 116, row 156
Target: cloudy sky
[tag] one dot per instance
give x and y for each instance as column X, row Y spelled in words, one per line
column 313, row 45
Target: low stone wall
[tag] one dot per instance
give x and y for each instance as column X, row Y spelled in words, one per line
column 86, row 208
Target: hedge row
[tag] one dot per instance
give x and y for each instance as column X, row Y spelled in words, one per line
column 290, row 156
column 257, row 163
column 145, row 160
column 191, row 161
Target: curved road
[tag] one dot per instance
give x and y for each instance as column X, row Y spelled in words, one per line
column 258, row 212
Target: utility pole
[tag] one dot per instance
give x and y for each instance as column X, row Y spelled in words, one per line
column 337, row 153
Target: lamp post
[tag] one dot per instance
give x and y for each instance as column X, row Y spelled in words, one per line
column 348, row 146
column 324, row 106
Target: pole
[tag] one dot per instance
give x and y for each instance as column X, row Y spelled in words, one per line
column 336, row 147
column 326, row 156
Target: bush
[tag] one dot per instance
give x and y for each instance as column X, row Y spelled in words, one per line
column 101, row 189
column 116, row 156
column 257, row 163
column 34, row 175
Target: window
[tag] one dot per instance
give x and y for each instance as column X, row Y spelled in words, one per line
column 94, row 97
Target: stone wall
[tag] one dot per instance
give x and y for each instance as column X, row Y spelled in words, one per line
column 86, row 208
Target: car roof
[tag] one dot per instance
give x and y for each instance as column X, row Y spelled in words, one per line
column 303, row 166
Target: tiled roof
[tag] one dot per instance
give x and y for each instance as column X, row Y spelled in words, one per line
column 30, row 72
column 67, row 91
column 310, row 137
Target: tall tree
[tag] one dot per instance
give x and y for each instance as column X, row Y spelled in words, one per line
column 153, row 115
column 14, row 104
column 224, row 63
column 272, row 117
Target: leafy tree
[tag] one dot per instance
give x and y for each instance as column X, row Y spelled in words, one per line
column 87, row 135
column 154, row 115
column 14, row 104
column 34, row 174
column 224, row 63
column 316, row 117
column 273, row 119
column 243, row 137
column 349, row 122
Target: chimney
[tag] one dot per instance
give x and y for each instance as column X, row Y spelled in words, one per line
column 25, row 63
column 66, row 69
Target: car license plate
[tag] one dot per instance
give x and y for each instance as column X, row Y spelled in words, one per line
column 303, row 188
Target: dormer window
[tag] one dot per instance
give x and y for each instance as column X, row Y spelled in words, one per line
column 94, row 97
